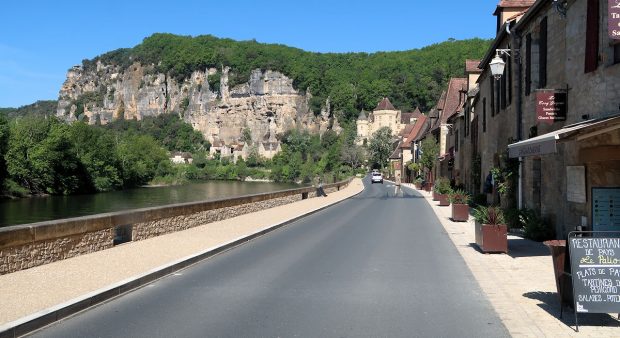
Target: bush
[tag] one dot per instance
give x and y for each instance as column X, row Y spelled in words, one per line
column 442, row 186
column 489, row 215
column 535, row 227
column 459, row 197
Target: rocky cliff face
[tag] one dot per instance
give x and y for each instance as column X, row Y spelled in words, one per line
column 267, row 104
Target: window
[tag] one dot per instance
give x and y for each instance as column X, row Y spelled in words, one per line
column 528, row 64
column 492, row 96
column 484, row 114
column 542, row 54
column 592, row 30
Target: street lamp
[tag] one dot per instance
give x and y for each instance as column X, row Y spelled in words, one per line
column 497, row 64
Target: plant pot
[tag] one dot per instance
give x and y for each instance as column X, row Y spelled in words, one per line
column 443, row 200
column 460, row 212
column 427, row 187
column 418, row 186
column 563, row 282
column 491, row 237
column 435, row 197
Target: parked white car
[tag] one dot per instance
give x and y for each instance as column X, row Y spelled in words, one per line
column 376, row 178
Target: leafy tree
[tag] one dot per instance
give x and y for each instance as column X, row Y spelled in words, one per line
column 4, row 140
column 430, row 151
column 140, row 158
column 380, row 146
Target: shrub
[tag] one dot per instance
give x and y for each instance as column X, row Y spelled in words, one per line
column 442, row 186
column 535, row 227
column 489, row 215
column 459, row 197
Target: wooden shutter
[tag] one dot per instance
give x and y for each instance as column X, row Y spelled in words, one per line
column 542, row 54
column 528, row 64
column 592, row 30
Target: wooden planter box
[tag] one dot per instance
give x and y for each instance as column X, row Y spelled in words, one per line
column 427, row 187
column 492, row 238
column 443, row 200
column 460, row 212
column 435, row 197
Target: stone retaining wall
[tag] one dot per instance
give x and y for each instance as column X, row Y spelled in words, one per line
column 27, row 246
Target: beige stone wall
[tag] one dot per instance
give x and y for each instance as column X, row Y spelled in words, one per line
column 27, row 256
column 69, row 239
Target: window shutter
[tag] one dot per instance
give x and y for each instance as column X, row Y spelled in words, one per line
column 542, row 55
column 592, row 28
column 528, row 64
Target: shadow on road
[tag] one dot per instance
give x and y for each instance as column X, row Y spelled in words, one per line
column 550, row 302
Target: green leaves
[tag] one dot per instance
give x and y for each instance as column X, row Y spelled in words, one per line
column 380, row 146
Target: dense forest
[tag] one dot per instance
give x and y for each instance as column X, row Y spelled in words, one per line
column 352, row 81
column 39, row 108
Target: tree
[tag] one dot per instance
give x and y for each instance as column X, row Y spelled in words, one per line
column 430, row 151
column 380, row 146
column 4, row 140
column 352, row 154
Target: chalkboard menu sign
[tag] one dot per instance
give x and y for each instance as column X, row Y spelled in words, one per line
column 595, row 266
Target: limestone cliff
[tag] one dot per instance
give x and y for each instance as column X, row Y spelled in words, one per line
column 267, row 104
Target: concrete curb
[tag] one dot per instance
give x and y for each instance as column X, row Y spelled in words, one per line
column 55, row 313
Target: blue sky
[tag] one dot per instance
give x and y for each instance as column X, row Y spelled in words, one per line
column 40, row 40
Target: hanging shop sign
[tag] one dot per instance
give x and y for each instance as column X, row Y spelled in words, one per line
column 613, row 23
column 550, row 106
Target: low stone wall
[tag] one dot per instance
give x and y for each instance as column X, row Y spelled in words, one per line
column 30, row 245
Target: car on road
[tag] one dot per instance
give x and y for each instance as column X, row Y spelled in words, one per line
column 376, row 178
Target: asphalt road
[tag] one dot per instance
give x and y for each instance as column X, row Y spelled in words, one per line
column 376, row 265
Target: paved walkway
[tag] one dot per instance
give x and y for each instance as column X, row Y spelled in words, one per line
column 34, row 292
column 521, row 285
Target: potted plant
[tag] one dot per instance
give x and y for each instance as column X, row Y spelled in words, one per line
column 491, row 229
column 418, row 183
column 441, row 191
column 460, row 205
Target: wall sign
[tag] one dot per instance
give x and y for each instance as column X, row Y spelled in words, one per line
column 606, row 209
column 551, row 106
column 576, row 184
column 595, row 267
column 613, row 22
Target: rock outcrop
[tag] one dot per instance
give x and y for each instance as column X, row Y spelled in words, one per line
column 267, row 104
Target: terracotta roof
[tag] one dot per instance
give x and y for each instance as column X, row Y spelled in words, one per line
column 395, row 154
column 417, row 113
column 405, row 118
column 471, row 66
column 418, row 128
column 385, row 104
column 406, row 130
column 513, row 4
column 425, row 126
column 454, row 100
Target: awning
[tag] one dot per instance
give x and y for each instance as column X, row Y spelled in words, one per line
column 546, row 143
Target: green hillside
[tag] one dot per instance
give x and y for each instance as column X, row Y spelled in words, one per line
column 352, row 80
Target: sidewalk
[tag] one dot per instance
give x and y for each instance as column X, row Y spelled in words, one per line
column 521, row 284
column 44, row 293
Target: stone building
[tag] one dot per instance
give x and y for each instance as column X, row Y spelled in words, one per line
column 552, row 119
column 384, row 115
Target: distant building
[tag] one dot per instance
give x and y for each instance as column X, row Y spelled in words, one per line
column 384, row 115
column 178, row 157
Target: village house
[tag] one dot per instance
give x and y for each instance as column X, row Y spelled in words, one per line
column 178, row 157
column 550, row 118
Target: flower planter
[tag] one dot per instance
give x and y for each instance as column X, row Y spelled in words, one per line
column 427, row 186
column 443, row 200
column 418, row 186
column 460, row 212
column 435, row 198
column 563, row 282
column 492, row 238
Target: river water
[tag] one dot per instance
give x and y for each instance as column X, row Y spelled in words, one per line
column 37, row 209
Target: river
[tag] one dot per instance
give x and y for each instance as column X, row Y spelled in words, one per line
column 37, row 209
